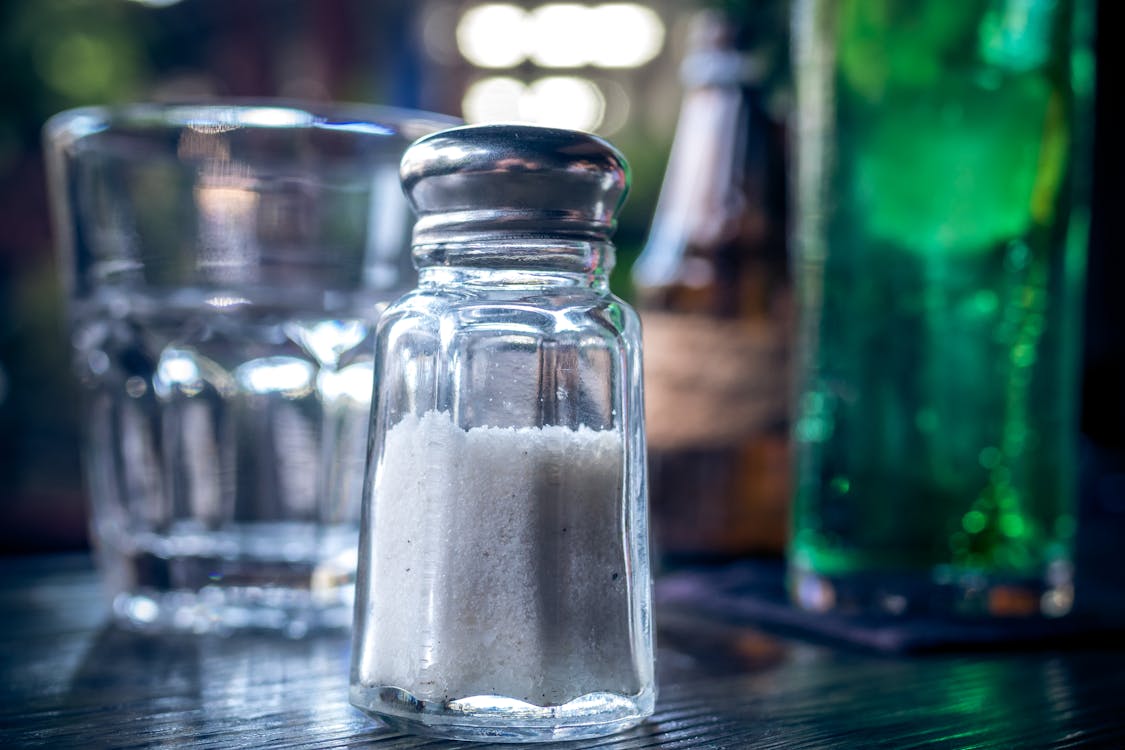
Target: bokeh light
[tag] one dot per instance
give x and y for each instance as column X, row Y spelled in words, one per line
column 564, row 102
column 560, row 35
column 491, row 35
column 625, row 35
column 557, row 101
column 494, row 99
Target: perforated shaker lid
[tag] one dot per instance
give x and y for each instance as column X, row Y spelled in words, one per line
column 482, row 182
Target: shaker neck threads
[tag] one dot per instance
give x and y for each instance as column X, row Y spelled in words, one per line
column 512, row 262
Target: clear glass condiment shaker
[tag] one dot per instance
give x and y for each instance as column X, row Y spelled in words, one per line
column 504, row 591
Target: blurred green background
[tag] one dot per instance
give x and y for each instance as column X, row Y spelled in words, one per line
column 57, row 54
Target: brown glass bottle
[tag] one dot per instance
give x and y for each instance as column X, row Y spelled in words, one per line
column 715, row 298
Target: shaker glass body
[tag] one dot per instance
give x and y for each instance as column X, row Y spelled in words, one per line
column 504, row 588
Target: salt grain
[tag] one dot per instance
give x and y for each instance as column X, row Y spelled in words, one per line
column 498, row 564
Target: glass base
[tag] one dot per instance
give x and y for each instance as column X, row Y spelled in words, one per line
column 938, row 592
column 208, row 593
column 490, row 718
column 223, row 610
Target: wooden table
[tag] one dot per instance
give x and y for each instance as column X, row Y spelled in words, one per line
column 70, row 679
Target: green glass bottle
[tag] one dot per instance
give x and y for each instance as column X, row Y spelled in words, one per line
column 940, row 238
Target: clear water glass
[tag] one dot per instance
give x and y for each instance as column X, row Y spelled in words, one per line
column 225, row 265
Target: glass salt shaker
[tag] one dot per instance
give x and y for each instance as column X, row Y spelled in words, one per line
column 504, row 591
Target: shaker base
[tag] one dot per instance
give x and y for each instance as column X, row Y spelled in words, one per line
column 490, row 718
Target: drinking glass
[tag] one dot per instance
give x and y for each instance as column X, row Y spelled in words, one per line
column 941, row 217
column 224, row 265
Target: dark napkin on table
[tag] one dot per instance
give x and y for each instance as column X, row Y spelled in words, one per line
column 753, row 592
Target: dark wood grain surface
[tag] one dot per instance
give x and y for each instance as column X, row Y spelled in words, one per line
column 69, row 679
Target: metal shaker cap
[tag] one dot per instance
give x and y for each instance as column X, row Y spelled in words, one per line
column 491, row 182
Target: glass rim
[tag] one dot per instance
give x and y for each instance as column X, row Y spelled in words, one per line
column 262, row 113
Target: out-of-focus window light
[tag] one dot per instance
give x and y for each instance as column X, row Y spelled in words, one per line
column 495, row 99
column 558, row 101
column 627, row 35
column 560, row 35
column 564, row 102
column 157, row 3
column 492, row 35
